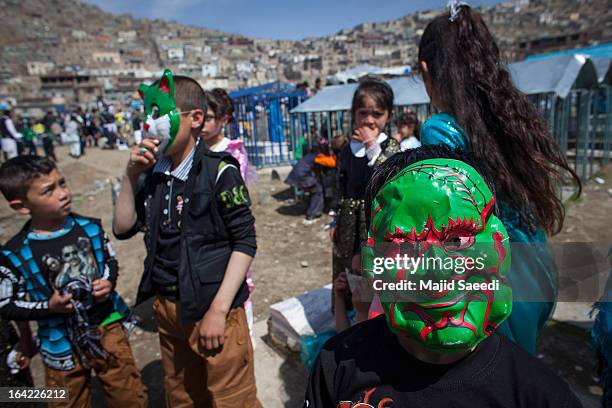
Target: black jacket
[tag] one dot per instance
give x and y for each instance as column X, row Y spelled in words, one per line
column 302, row 175
column 4, row 132
column 211, row 230
column 353, row 173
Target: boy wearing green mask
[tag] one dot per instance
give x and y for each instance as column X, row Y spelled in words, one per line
column 436, row 344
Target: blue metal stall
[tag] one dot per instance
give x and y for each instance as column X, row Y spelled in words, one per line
column 263, row 121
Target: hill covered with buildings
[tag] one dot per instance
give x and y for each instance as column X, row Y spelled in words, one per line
column 71, row 51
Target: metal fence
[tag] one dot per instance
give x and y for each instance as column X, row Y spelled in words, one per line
column 262, row 120
column 581, row 125
column 576, row 104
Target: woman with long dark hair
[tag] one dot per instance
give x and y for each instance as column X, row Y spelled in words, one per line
column 484, row 113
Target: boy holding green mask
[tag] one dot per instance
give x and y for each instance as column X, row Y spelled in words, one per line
column 193, row 206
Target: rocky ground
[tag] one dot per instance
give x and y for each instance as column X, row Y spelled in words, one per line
column 294, row 258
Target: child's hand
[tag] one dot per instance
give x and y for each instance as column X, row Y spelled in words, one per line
column 366, row 134
column 142, row 157
column 340, row 285
column 101, row 289
column 22, row 360
column 27, row 349
column 212, row 329
column 60, row 303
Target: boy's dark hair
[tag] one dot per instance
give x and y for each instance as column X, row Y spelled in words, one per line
column 409, row 119
column 375, row 88
column 188, row 94
column 399, row 161
column 17, row 174
column 505, row 130
column 220, row 103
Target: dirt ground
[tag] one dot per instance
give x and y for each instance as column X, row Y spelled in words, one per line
column 294, row 258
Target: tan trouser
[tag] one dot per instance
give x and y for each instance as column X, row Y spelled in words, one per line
column 118, row 374
column 197, row 378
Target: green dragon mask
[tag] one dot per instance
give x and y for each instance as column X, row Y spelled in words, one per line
column 162, row 119
column 439, row 211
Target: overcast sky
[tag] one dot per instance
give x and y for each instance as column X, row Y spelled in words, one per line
column 278, row 19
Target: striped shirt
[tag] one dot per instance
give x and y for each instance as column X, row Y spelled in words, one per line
column 181, row 172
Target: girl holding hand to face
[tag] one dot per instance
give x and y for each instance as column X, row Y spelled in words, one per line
column 371, row 113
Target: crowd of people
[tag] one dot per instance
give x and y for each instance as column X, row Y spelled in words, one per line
column 480, row 175
column 79, row 129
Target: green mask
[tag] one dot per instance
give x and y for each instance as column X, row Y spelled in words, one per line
column 440, row 210
column 162, row 119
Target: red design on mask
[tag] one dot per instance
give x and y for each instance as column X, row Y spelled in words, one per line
column 164, row 86
column 365, row 401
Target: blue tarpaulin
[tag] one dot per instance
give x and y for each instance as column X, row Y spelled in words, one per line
column 555, row 75
column 603, row 66
column 329, row 99
column 407, row 91
column 272, row 89
column 596, row 51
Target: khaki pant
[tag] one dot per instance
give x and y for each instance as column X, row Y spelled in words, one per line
column 118, row 374
column 198, row 378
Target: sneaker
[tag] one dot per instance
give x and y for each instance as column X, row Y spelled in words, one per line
column 310, row 220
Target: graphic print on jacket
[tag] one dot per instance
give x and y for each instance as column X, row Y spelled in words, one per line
column 75, row 262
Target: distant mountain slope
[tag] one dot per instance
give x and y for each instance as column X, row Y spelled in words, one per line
column 72, row 34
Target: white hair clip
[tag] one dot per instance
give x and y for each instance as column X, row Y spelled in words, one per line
column 454, row 7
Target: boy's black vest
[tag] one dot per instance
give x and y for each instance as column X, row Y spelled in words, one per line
column 204, row 245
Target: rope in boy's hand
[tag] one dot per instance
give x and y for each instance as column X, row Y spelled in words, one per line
column 60, row 303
